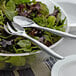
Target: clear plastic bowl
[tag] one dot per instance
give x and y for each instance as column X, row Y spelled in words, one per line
column 23, row 60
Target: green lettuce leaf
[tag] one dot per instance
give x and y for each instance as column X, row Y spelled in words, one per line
column 21, row 1
column 24, row 43
column 17, row 61
column 11, row 5
column 1, row 18
column 41, row 20
column 8, row 9
column 51, row 20
column 44, row 10
column 9, row 14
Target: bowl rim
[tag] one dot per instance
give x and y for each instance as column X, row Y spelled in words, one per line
column 52, row 46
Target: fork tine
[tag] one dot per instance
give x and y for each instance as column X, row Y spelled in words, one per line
column 10, row 29
column 7, row 30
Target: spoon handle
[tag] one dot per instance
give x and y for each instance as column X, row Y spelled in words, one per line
column 44, row 48
column 60, row 33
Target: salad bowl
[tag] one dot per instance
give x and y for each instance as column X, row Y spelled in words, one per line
column 17, row 60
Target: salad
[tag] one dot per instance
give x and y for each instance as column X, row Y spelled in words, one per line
column 39, row 13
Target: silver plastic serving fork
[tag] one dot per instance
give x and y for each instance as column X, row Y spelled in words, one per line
column 21, row 32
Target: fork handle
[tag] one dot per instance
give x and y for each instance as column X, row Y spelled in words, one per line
column 44, row 48
column 60, row 33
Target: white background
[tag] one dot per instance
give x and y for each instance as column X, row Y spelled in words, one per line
column 68, row 46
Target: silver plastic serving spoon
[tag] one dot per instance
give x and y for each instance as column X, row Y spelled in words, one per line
column 21, row 32
column 26, row 22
